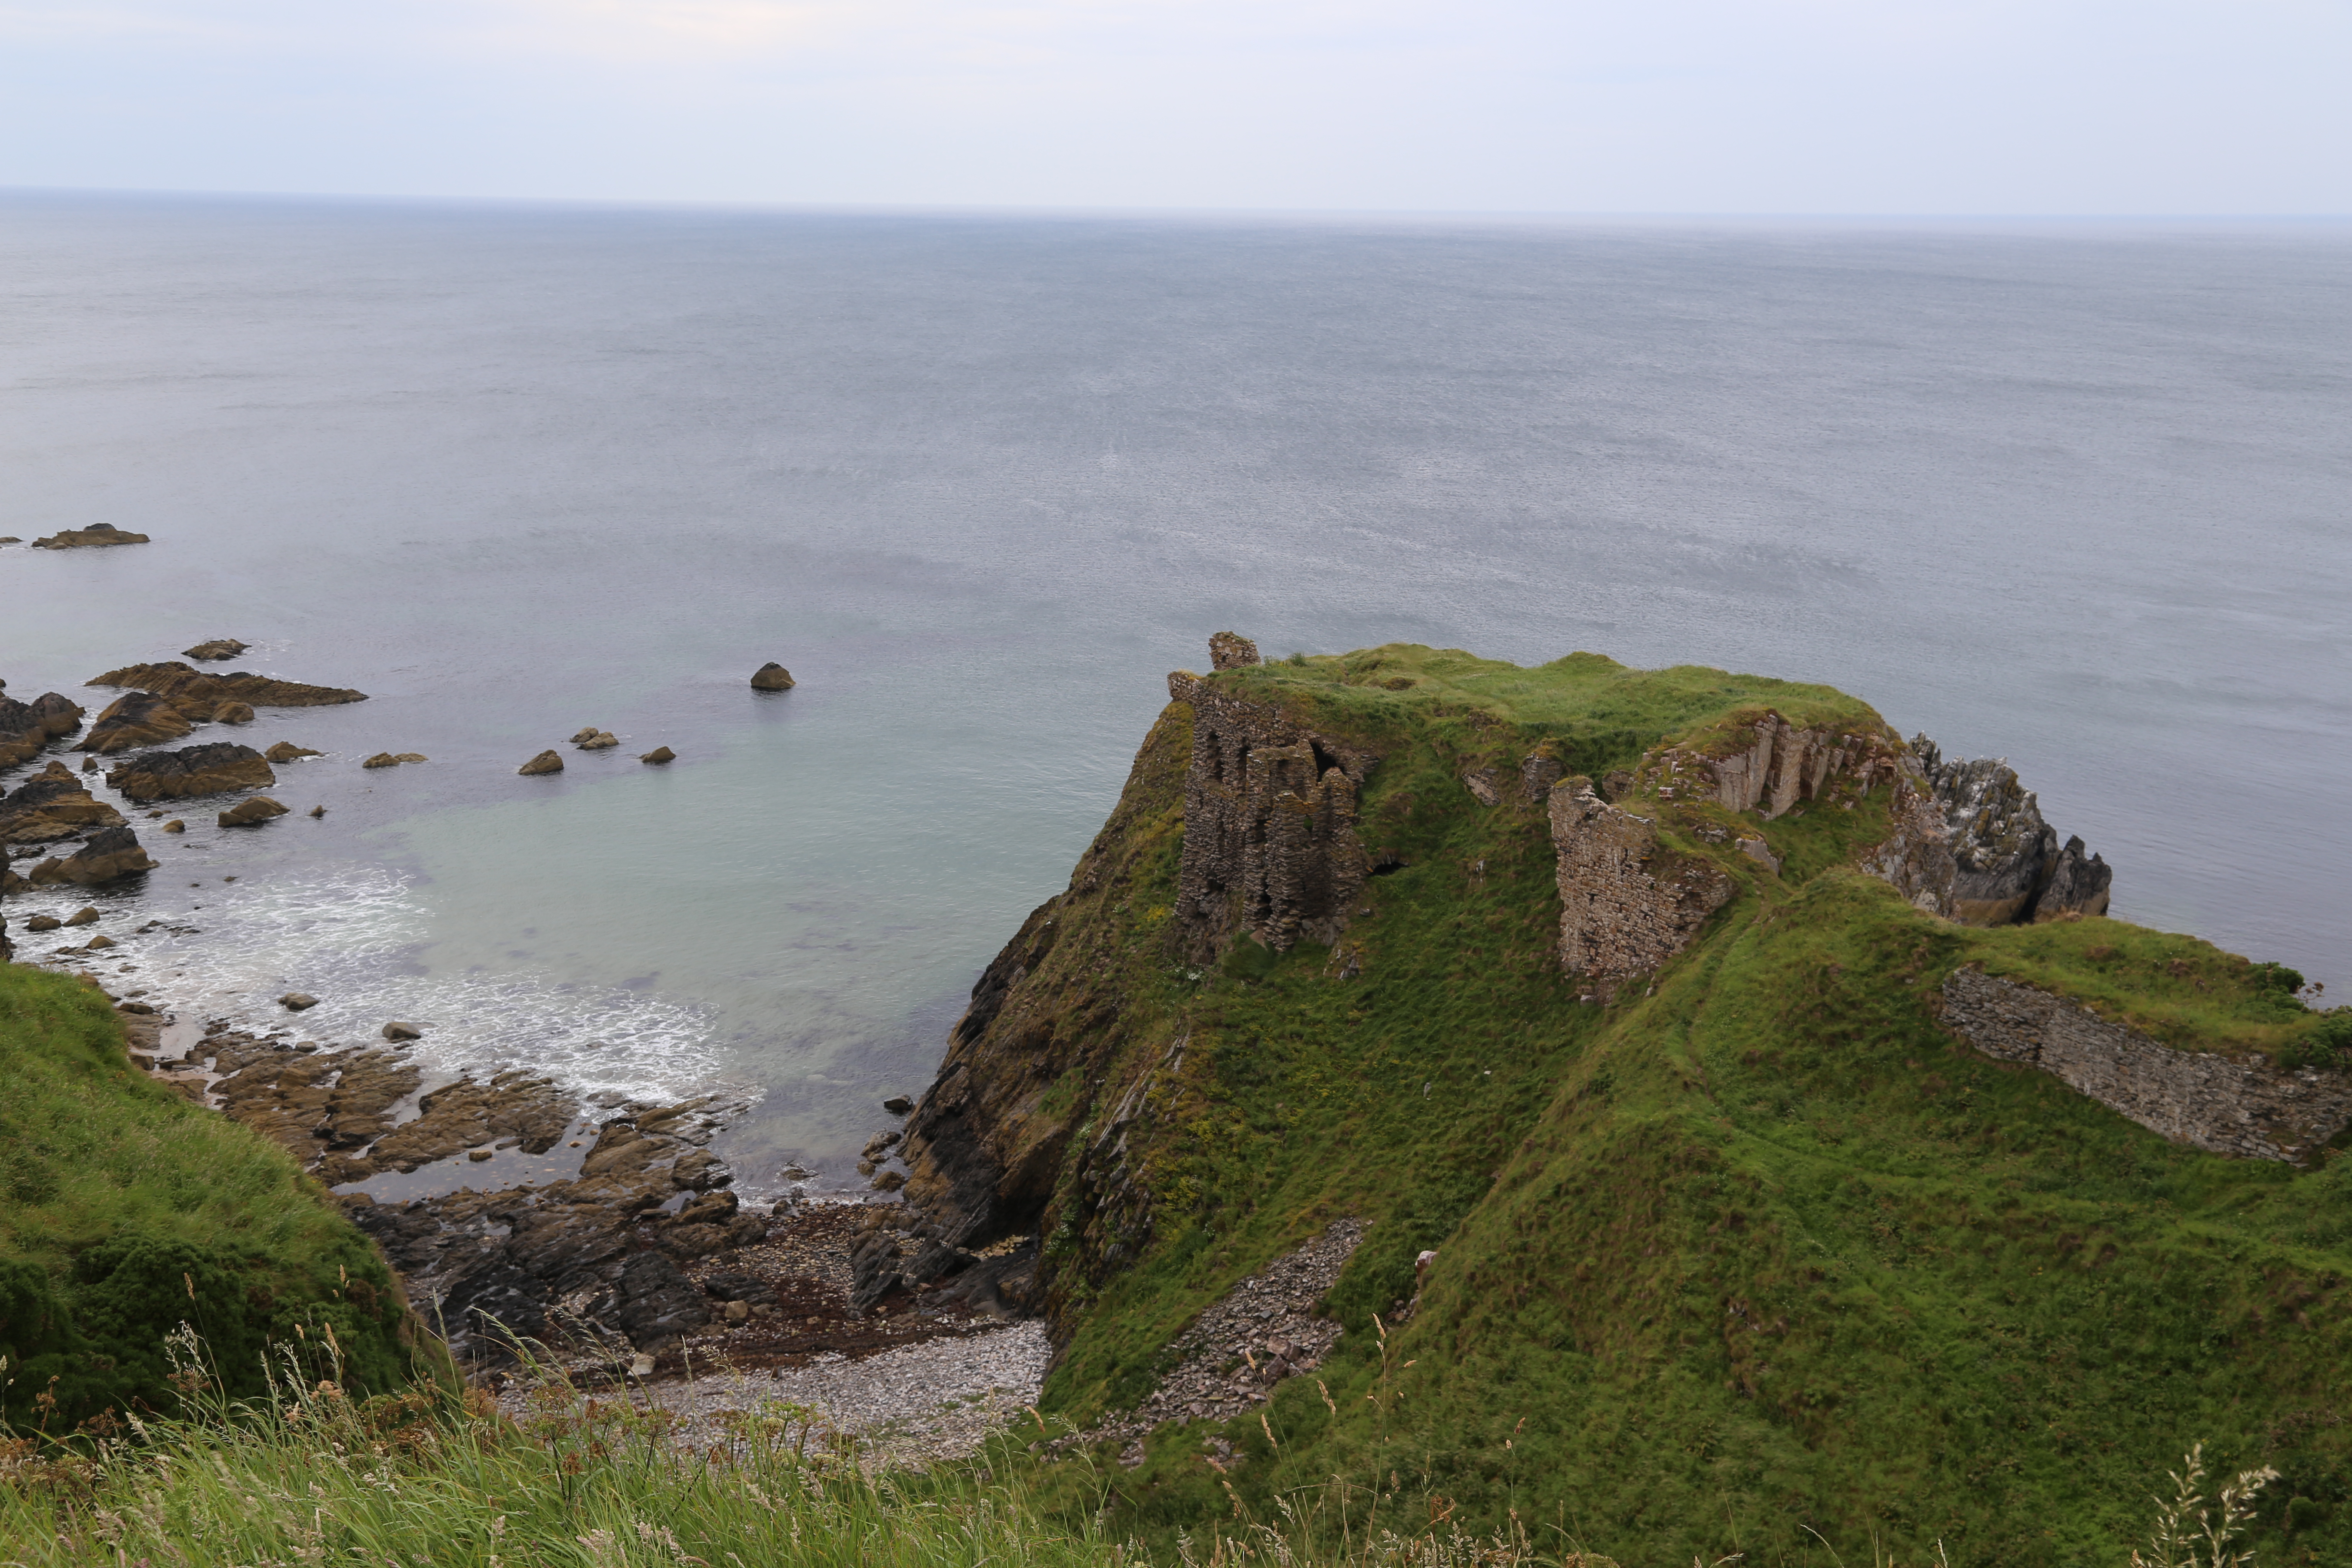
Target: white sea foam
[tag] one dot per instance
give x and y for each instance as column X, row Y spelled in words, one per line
column 357, row 939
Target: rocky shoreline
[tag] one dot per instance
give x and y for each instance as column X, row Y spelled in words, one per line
column 523, row 1220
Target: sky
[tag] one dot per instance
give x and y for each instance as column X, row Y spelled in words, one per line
column 1862, row 107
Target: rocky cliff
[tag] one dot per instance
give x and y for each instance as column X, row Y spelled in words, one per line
column 1595, row 1030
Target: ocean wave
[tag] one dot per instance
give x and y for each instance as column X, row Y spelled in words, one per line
column 359, row 939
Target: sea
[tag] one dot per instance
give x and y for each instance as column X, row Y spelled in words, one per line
column 2077, row 495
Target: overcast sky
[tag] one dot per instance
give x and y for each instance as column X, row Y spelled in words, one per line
column 1577, row 106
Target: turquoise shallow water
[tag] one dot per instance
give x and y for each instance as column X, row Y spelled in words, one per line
column 2074, row 496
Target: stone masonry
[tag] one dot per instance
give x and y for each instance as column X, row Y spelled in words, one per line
column 2224, row 1105
column 1627, row 904
column 1270, row 841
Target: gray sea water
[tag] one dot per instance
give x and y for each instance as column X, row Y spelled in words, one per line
column 2076, row 495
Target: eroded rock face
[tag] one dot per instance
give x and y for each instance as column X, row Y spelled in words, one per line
column 1627, row 904
column 113, row 854
column 2244, row 1107
column 213, row 769
column 96, row 535
column 51, row 805
column 1270, row 826
column 139, row 719
column 2006, row 860
column 178, row 680
column 27, row 727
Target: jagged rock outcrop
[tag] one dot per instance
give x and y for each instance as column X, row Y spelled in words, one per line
column 97, row 534
column 1231, row 650
column 27, row 727
column 180, row 681
column 138, row 718
column 2006, row 860
column 1270, row 826
column 109, row 855
column 51, row 805
column 2240, row 1106
column 1968, row 842
column 2077, row 884
column 1627, row 904
column 213, row 769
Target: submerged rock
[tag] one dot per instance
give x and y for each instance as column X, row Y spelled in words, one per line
column 97, row 534
column 288, row 751
column 771, row 677
column 297, row 1000
column 112, row 854
column 251, row 813
column 545, row 763
column 213, row 769
column 392, row 760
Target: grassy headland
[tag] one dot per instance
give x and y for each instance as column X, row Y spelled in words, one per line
column 1758, row 1251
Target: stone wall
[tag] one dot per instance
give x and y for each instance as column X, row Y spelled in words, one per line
column 1270, row 840
column 2224, row 1105
column 1627, row 904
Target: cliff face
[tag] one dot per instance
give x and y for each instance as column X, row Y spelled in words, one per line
column 1605, row 1014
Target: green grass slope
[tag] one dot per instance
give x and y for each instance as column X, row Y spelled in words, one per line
column 1763, row 1252
column 126, row 1210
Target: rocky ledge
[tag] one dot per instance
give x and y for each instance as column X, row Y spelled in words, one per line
column 215, row 769
column 107, row 856
column 51, row 805
column 182, row 682
column 88, row 538
column 27, row 727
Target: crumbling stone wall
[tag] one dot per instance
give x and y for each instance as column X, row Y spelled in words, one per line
column 1627, row 904
column 1270, row 816
column 2224, row 1105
